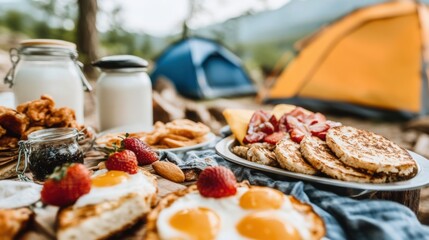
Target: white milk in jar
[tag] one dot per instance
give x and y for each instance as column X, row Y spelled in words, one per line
column 124, row 94
column 44, row 66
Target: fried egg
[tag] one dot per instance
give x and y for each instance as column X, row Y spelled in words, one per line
column 253, row 213
column 111, row 185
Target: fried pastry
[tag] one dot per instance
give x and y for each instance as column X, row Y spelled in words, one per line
column 62, row 117
column 37, row 110
column 30, row 130
column 2, row 131
column 14, row 122
column 8, row 142
column 187, row 128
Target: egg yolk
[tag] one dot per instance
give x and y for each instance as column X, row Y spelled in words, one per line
column 265, row 225
column 261, row 198
column 198, row 223
column 109, row 178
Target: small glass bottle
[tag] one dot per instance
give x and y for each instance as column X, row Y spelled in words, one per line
column 48, row 148
column 124, row 93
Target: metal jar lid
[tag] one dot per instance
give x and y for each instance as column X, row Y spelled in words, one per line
column 121, row 62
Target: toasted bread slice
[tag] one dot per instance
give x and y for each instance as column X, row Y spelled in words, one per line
column 320, row 156
column 102, row 220
column 289, row 157
column 13, row 221
column 317, row 226
column 370, row 152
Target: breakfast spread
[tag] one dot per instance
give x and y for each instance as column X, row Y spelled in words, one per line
column 175, row 134
column 301, row 141
column 220, row 208
column 120, row 192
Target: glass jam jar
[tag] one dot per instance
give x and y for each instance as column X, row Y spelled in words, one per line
column 48, row 148
column 47, row 66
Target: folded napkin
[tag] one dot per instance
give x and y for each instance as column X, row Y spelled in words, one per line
column 345, row 218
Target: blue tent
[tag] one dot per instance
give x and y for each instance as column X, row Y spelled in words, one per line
column 202, row 69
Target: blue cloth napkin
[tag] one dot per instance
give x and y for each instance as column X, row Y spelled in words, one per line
column 345, row 218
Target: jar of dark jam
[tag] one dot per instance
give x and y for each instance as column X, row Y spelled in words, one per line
column 48, row 148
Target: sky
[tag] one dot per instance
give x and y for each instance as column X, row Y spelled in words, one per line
column 164, row 17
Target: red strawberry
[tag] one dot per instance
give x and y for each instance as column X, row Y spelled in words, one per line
column 124, row 160
column 274, row 138
column 217, row 182
column 145, row 155
column 66, row 184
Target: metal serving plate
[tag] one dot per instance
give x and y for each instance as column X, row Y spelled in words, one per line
column 224, row 146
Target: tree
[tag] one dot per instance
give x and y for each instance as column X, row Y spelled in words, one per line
column 87, row 38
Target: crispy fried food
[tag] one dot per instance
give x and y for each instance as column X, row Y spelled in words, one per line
column 187, row 128
column 62, row 117
column 8, row 142
column 2, row 131
column 175, row 134
column 37, row 110
column 172, row 143
column 3, row 109
column 32, row 116
column 14, row 122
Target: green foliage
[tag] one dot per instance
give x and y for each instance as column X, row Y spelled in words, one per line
column 14, row 21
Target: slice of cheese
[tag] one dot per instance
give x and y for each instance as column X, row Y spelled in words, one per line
column 238, row 119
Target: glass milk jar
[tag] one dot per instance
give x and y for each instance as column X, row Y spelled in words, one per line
column 45, row 66
column 124, row 94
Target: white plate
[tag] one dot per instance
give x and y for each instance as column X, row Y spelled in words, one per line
column 210, row 138
column 223, row 148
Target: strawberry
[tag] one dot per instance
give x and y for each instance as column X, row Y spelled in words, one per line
column 124, row 160
column 145, row 155
column 217, row 182
column 66, row 184
column 274, row 138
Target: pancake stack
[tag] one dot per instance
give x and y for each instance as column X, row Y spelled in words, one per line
column 357, row 155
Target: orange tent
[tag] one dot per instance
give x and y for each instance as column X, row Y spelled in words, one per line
column 370, row 62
